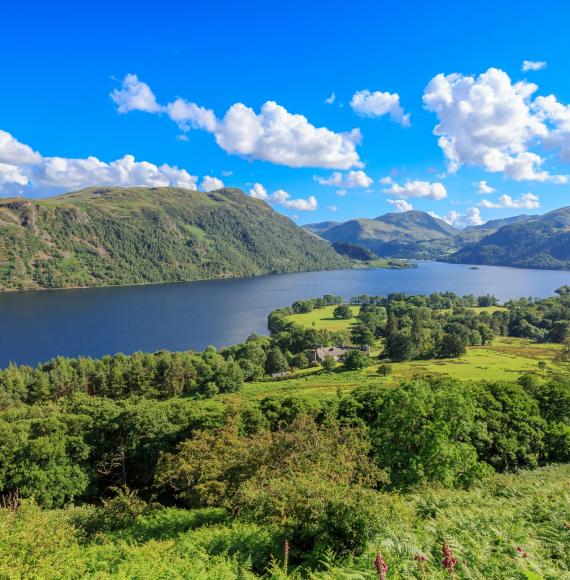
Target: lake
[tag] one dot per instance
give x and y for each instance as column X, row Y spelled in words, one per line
column 36, row 326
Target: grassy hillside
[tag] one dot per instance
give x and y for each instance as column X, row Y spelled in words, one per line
column 107, row 236
column 504, row 360
column 542, row 242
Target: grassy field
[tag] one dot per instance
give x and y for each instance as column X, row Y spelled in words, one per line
column 505, row 359
column 323, row 318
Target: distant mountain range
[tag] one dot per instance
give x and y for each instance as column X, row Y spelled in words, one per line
column 102, row 236
column 534, row 242
column 410, row 234
column 520, row 241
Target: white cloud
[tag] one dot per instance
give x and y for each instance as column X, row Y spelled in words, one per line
column 134, row 95
column 12, row 152
column 533, row 65
column 549, row 109
column 352, row 179
column 483, row 188
column 283, row 198
column 487, row 121
column 418, row 189
column 525, row 201
column 332, row 207
column 274, row 134
column 227, row 172
column 472, row 217
column 12, row 174
column 191, row 116
column 29, row 172
column 64, row 173
column 210, row 183
column 386, row 180
column 330, row 100
column 401, row 205
column 377, row 104
column 282, row 138
column 258, row 191
column 341, row 192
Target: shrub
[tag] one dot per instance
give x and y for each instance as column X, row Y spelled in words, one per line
column 355, row 360
column 342, row 312
column 329, row 363
column 384, row 370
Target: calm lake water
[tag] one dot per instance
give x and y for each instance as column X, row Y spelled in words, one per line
column 36, row 326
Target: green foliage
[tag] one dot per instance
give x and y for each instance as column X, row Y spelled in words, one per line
column 342, row 312
column 108, row 236
column 329, row 363
column 355, row 360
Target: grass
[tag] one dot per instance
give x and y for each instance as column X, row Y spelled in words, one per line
column 323, row 318
column 505, row 359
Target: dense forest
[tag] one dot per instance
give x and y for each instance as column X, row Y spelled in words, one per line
column 107, row 236
column 158, row 465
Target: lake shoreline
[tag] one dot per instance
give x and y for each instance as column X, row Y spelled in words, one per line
column 40, row 325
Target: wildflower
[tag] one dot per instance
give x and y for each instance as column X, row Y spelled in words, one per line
column 449, row 560
column 381, row 566
column 420, row 558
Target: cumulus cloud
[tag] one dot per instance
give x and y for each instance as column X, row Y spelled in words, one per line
column 24, row 170
column 341, row 192
column 13, row 152
column 330, row 100
column 483, row 188
column 533, row 65
column 134, row 95
column 418, row 189
column 558, row 115
column 352, row 179
column 332, row 207
column 274, row 134
column 472, row 217
column 386, row 180
column 191, row 116
column 401, row 205
column 377, row 104
column 65, row 173
column 210, row 183
column 488, row 121
column 283, row 138
column 525, row 201
column 283, row 198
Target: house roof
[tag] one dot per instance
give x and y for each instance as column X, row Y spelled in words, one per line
column 324, row 351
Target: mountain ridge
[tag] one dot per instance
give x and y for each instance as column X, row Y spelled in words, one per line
column 101, row 236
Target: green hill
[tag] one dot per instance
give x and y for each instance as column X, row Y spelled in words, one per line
column 407, row 234
column 542, row 242
column 108, row 236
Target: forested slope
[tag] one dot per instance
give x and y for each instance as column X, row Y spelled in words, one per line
column 108, row 236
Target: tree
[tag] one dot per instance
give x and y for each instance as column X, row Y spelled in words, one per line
column 276, row 362
column 362, row 335
column 559, row 331
column 384, row 370
column 329, row 363
column 452, row 346
column 300, row 361
column 355, row 360
column 399, row 347
column 342, row 312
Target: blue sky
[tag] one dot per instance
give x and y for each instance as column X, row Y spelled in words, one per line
column 253, row 78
